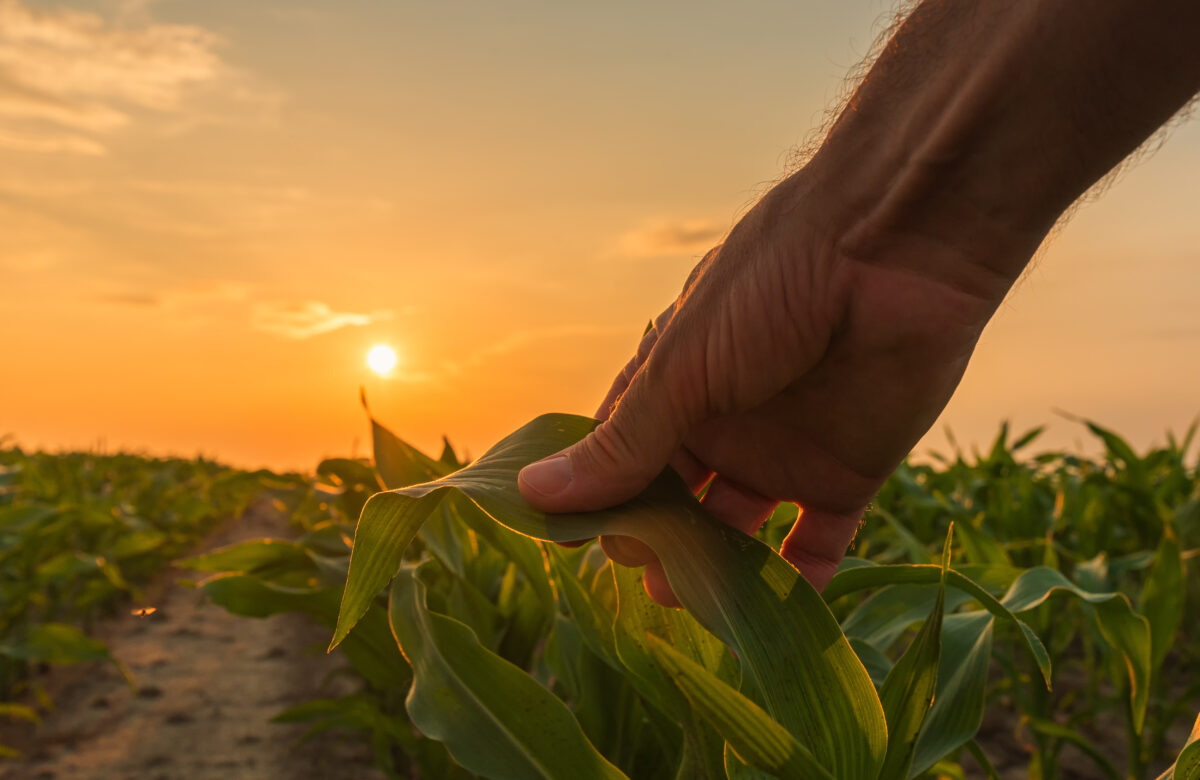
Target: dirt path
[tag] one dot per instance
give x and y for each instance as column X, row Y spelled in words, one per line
column 208, row 683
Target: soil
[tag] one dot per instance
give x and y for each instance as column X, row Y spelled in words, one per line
column 1007, row 741
column 207, row 684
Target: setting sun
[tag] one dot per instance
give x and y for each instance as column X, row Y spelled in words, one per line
column 382, row 359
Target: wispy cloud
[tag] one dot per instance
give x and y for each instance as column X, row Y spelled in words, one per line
column 524, row 339
column 308, row 319
column 209, row 301
column 56, row 142
column 668, row 237
column 196, row 299
column 67, row 76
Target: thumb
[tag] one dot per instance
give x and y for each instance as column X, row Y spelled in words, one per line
column 621, row 456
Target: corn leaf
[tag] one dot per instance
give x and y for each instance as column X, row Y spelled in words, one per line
column 1069, row 735
column 877, row 663
column 593, row 621
column 958, row 704
column 907, row 693
column 1163, row 595
column 1125, row 631
column 56, row 643
column 888, row 612
column 401, row 465
column 371, row 650
column 859, row 577
column 737, row 587
column 1187, row 766
column 754, row 736
column 639, row 620
column 249, row 557
column 493, row 718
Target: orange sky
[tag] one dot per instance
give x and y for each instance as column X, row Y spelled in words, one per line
column 209, row 211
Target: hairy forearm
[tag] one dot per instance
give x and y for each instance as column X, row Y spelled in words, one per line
column 983, row 120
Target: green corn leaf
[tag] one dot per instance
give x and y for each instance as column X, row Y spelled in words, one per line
column 754, row 736
column 1187, row 766
column 385, row 530
column 449, row 540
column 16, row 519
column 251, row 596
column 904, row 538
column 703, row 754
column 401, row 465
column 522, row 551
column 56, row 643
column 1127, row 632
column 593, row 620
column 345, row 471
column 1163, row 595
column 958, row 704
column 638, row 618
column 449, row 458
column 860, row 577
column 1027, row 438
column 981, row 548
column 736, row 586
column 888, row 612
column 137, row 543
column 1086, row 746
column 982, row 760
column 877, row 664
column 492, row 717
column 356, row 711
column 370, row 650
column 250, row 557
column 908, row 691
column 1119, row 449
column 638, row 621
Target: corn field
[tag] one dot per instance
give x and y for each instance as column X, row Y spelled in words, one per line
column 1050, row 592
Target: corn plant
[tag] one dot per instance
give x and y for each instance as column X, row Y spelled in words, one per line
column 782, row 636
column 79, row 533
column 485, row 650
column 1124, row 523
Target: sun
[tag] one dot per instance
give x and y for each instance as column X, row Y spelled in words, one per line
column 382, row 359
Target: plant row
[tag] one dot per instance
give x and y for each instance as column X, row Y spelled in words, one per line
column 487, row 650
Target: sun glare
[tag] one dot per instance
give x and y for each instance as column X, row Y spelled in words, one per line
column 381, row 359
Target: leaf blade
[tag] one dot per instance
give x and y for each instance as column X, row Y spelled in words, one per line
column 493, row 718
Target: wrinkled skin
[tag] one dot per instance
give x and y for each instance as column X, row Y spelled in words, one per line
column 789, row 369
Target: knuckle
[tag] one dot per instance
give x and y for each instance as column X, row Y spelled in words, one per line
column 608, row 447
column 816, row 568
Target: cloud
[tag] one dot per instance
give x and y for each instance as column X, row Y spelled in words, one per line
column 308, row 319
column 523, row 339
column 65, row 73
column 664, row 238
column 56, row 142
column 193, row 299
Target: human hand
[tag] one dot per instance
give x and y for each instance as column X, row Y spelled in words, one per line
column 789, row 369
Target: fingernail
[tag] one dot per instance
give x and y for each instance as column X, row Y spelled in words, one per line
column 548, row 477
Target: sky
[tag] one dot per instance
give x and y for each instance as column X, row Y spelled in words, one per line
column 210, row 210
